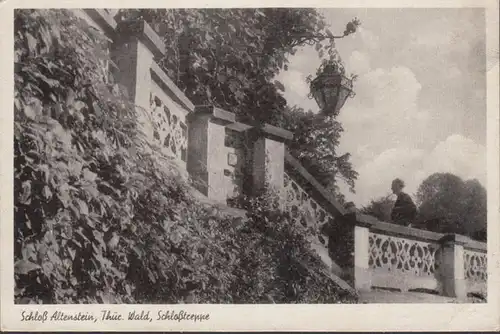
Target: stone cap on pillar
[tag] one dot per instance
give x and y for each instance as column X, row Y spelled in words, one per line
column 224, row 117
column 272, row 132
column 219, row 115
column 455, row 239
column 126, row 30
column 458, row 239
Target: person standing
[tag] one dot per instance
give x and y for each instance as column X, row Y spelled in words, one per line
column 404, row 210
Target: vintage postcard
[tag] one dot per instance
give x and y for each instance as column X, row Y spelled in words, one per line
column 293, row 166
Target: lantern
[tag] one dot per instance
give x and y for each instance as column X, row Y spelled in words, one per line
column 330, row 89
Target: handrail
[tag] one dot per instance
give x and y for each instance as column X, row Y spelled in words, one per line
column 320, row 194
column 402, row 231
column 162, row 79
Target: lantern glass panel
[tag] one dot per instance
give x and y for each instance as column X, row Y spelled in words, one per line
column 331, row 94
column 318, row 96
column 344, row 93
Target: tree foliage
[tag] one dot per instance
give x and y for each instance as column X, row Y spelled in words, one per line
column 380, row 208
column 230, row 58
column 449, row 204
column 315, row 145
column 102, row 217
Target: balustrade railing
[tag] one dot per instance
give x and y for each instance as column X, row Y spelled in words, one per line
column 475, row 267
column 303, row 208
column 403, row 262
column 407, row 259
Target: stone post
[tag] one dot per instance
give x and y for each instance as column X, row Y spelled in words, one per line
column 268, row 161
column 206, row 154
column 362, row 274
column 135, row 47
column 452, row 266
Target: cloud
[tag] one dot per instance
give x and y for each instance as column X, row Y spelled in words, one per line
column 358, row 63
column 303, row 63
column 382, row 92
column 367, row 38
column 376, row 175
column 296, row 82
column 444, row 34
column 460, row 156
column 456, row 154
column 384, row 111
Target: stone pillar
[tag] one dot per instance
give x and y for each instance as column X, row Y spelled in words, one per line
column 206, row 154
column 135, row 47
column 268, row 161
column 362, row 274
column 452, row 270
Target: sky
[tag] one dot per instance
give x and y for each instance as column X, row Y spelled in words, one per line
column 420, row 104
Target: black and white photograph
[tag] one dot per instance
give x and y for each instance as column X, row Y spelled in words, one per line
column 276, row 155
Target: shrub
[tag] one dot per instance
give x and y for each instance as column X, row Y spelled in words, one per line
column 102, row 217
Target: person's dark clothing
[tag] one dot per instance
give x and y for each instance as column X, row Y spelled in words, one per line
column 404, row 211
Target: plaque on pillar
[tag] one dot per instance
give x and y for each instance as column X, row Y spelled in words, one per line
column 232, row 159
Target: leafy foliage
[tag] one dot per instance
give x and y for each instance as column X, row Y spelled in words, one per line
column 449, row 204
column 316, row 138
column 380, row 208
column 101, row 217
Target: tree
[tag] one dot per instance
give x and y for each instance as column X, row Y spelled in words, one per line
column 475, row 209
column 448, row 204
column 316, row 138
column 230, row 57
column 380, row 208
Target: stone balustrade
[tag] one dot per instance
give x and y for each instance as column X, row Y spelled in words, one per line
column 475, row 267
column 390, row 256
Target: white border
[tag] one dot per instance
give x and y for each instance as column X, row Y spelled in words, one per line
column 368, row 317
